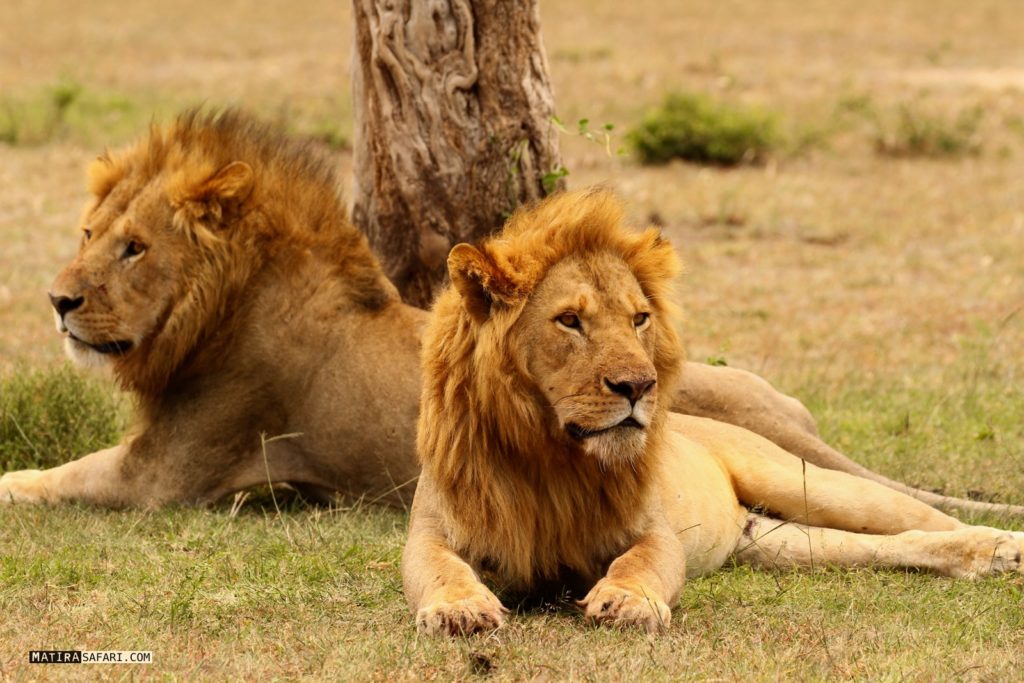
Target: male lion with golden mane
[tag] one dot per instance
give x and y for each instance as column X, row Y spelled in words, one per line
column 220, row 280
column 549, row 456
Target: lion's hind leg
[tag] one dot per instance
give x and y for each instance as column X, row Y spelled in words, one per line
column 968, row 552
column 769, row 478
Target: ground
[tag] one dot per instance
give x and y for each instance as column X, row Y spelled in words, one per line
column 886, row 291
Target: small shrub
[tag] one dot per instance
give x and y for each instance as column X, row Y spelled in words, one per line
column 695, row 128
column 916, row 133
column 48, row 417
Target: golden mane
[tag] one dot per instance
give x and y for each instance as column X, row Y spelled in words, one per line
column 282, row 201
column 532, row 510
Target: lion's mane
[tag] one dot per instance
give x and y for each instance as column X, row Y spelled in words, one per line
column 285, row 211
column 514, row 495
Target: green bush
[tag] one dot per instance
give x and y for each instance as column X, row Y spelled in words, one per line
column 48, row 417
column 695, row 128
column 915, row 133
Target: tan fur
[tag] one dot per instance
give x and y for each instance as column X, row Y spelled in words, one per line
column 544, row 462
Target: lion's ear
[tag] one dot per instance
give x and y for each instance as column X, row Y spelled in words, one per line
column 233, row 183
column 477, row 279
column 218, row 195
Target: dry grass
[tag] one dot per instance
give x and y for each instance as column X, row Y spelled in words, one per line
column 887, row 292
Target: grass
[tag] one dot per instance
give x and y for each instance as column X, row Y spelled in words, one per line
column 69, row 110
column 696, row 128
column 958, row 432
column 912, row 131
column 316, row 592
column 50, row 416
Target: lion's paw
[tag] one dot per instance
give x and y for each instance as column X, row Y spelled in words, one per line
column 986, row 551
column 461, row 616
column 619, row 604
column 22, row 486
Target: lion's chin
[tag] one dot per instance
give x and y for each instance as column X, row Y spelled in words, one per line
column 620, row 445
column 92, row 356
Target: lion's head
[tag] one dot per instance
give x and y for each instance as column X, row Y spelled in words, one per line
column 178, row 226
column 543, row 365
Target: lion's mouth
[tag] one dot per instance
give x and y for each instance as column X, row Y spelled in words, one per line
column 580, row 433
column 119, row 347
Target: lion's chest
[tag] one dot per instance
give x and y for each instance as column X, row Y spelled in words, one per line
column 544, row 535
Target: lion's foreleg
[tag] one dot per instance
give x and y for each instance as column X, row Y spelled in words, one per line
column 968, row 552
column 443, row 591
column 96, row 478
column 640, row 584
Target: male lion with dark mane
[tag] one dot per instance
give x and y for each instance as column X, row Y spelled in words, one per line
column 221, row 281
column 549, row 456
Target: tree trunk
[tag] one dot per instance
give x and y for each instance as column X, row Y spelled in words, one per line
column 453, row 127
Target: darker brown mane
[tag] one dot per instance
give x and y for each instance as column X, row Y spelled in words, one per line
column 199, row 140
column 293, row 212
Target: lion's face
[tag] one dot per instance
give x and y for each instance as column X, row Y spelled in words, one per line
column 122, row 282
column 142, row 277
column 586, row 337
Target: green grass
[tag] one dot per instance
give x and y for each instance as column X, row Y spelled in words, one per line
column 698, row 129
column 957, row 430
column 50, row 416
column 316, row 593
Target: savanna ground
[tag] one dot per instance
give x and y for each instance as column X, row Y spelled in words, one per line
column 883, row 287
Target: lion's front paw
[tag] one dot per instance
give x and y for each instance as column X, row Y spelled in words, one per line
column 460, row 616
column 22, row 486
column 621, row 604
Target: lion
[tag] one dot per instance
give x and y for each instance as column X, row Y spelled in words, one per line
column 550, row 459
column 221, row 282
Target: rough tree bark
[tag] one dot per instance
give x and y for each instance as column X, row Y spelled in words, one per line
column 453, row 127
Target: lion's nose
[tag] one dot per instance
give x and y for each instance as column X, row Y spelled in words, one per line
column 65, row 304
column 631, row 389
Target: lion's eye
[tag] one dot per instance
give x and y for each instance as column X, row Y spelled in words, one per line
column 570, row 320
column 133, row 248
column 88, row 235
column 640, row 319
